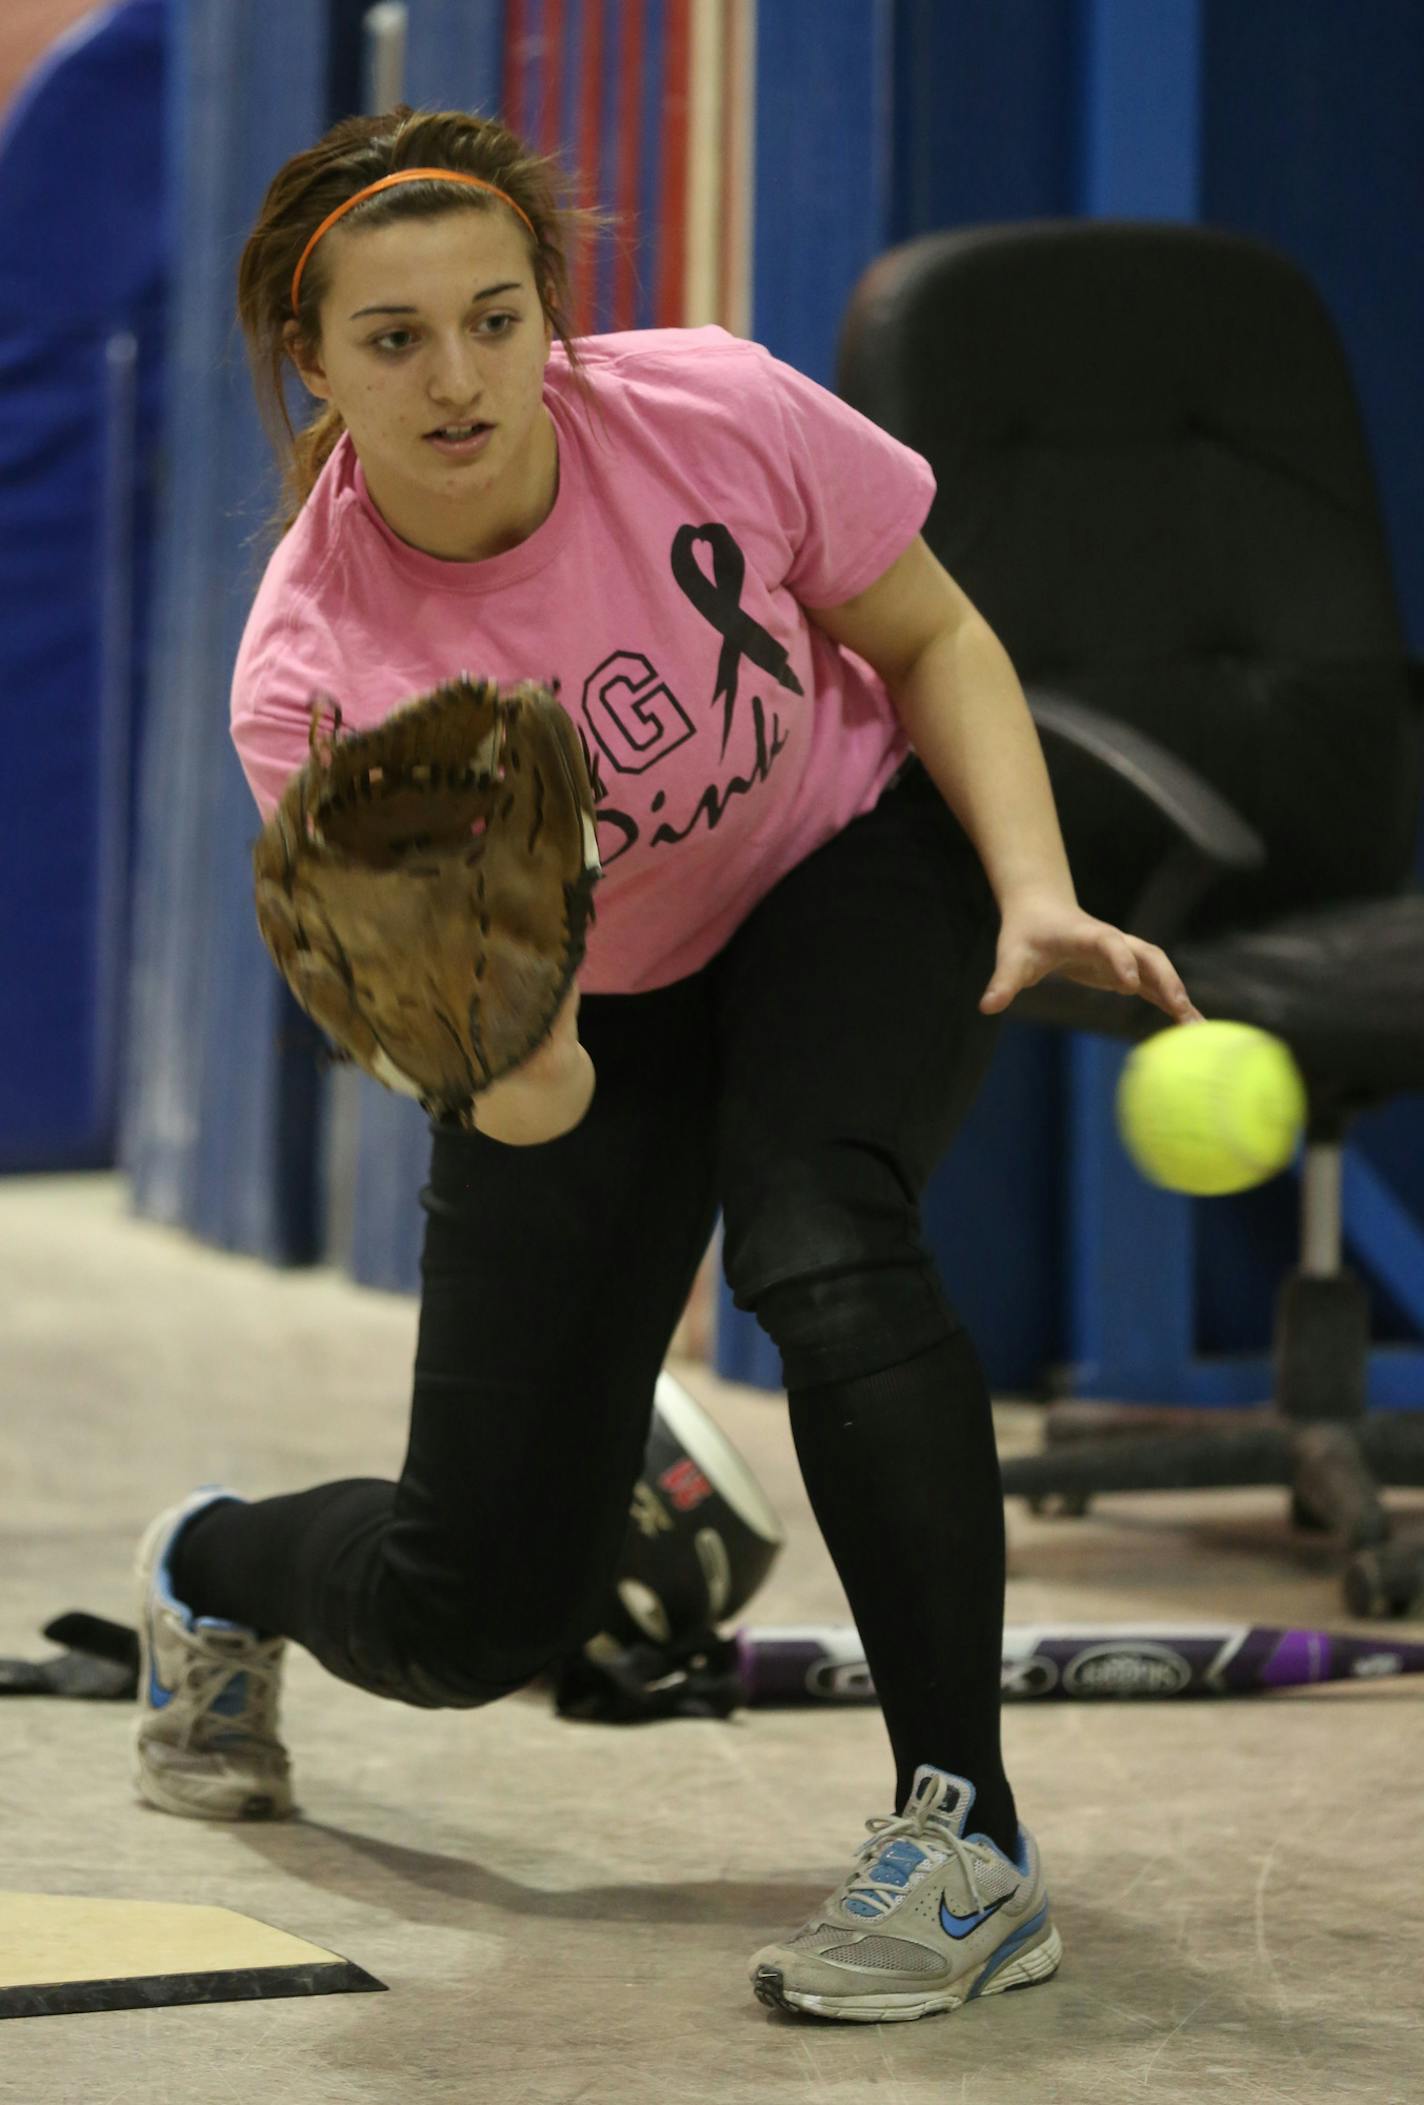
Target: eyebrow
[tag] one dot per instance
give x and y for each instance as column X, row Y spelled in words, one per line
column 509, row 285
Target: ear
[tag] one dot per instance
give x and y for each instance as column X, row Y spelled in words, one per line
column 313, row 377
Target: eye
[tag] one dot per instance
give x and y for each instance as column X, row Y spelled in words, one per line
column 394, row 341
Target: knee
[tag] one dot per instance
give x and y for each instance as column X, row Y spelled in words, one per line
column 437, row 1679
column 435, row 1673
column 837, row 1326
column 831, row 1261
column 470, row 1649
column 437, row 1649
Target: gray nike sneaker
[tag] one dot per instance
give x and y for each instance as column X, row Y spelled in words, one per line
column 205, row 1740
column 927, row 1920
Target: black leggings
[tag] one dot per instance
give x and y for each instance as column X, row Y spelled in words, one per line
column 805, row 1082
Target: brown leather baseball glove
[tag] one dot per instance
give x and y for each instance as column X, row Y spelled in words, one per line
column 425, row 887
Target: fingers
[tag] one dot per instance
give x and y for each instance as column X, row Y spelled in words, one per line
column 1132, row 966
column 1122, row 961
column 1000, row 991
column 1159, row 982
column 1121, row 964
column 1011, row 975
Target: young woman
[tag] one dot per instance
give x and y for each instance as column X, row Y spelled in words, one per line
column 831, row 861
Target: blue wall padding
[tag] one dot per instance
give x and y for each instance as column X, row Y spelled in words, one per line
column 455, row 55
column 1139, row 79
column 985, row 121
column 82, row 283
column 821, row 171
column 1313, row 141
column 84, row 233
column 392, row 1155
column 221, row 1127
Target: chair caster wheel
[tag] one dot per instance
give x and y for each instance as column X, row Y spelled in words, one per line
column 1384, row 1582
column 1060, row 1505
column 1305, row 1517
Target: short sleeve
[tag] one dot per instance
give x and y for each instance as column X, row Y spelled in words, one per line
column 280, row 668
column 860, row 496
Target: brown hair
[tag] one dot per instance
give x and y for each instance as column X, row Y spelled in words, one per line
column 354, row 153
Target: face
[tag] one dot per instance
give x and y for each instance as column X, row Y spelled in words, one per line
column 428, row 324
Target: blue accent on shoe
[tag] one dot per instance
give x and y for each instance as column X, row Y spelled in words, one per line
column 1019, row 1859
column 958, row 1926
column 233, row 1700
column 234, row 1696
column 1007, row 1949
column 894, row 1867
column 896, row 1864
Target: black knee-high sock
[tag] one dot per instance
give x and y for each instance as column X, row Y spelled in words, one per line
column 903, row 1477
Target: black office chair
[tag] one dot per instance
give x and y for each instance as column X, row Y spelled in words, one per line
column 1154, row 485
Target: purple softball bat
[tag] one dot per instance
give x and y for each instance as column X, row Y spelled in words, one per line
column 824, row 1663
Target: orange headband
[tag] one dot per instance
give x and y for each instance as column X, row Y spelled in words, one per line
column 403, row 175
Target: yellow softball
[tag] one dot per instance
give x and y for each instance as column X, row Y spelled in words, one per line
column 1209, row 1108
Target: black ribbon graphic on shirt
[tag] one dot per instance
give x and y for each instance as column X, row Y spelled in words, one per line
column 719, row 601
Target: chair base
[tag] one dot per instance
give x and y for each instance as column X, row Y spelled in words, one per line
column 1334, row 1471
column 1316, row 1440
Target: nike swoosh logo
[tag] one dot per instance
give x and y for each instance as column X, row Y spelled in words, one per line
column 958, row 1926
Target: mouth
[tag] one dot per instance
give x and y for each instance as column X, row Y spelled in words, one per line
column 459, row 441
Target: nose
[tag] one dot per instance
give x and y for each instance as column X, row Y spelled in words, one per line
column 454, row 380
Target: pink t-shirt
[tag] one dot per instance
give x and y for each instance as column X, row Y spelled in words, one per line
column 719, row 495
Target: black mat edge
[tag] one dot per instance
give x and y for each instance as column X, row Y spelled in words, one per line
column 161, row 1991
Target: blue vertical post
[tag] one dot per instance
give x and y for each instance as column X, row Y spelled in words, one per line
column 221, row 1105
column 1128, row 1247
column 115, row 715
column 1314, row 144
column 1140, row 128
column 822, row 169
column 454, row 56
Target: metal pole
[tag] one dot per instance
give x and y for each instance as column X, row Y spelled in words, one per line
column 1322, row 1189
column 384, row 28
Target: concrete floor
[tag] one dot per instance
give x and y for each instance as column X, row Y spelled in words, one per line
column 563, row 1912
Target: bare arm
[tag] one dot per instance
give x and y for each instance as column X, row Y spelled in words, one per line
column 960, row 701
column 548, row 1096
column 958, row 696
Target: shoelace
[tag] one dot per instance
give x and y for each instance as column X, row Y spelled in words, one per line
column 221, row 1657
column 928, row 1834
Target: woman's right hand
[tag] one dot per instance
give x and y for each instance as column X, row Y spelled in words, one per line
column 548, row 1095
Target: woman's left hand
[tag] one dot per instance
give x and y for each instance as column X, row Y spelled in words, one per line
column 1043, row 933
